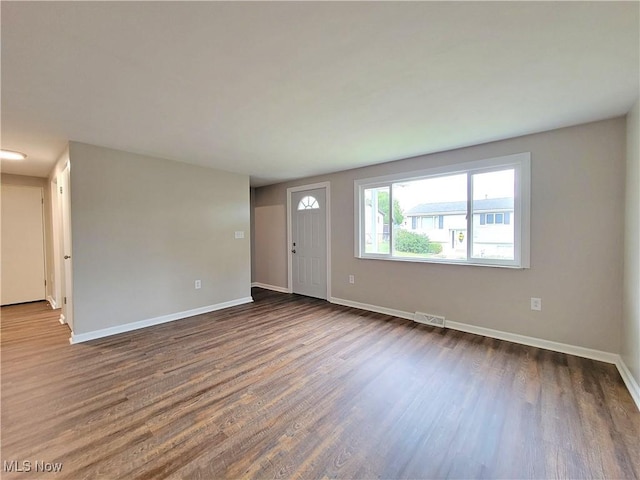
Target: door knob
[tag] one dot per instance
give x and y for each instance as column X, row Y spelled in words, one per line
column 67, row 257
column 293, row 251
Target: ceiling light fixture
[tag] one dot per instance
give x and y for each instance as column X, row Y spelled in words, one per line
column 11, row 155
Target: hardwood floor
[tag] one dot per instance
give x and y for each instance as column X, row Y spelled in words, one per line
column 293, row 387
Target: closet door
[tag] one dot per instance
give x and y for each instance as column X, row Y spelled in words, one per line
column 22, row 245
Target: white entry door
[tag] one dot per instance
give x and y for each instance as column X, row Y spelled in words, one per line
column 309, row 243
column 22, row 245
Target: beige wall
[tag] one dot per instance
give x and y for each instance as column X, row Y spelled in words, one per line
column 48, row 224
column 270, row 252
column 144, row 229
column 23, row 180
column 631, row 305
column 576, row 243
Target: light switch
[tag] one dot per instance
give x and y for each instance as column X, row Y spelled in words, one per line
column 239, row 234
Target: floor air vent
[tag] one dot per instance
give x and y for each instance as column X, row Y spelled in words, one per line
column 428, row 319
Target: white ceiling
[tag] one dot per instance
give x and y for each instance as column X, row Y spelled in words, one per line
column 286, row 90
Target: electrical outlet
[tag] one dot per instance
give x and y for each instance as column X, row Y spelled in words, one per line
column 352, row 279
column 536, row 303
column 198, row 284
column 239, row 234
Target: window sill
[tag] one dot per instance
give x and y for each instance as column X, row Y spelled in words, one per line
column 441, row 261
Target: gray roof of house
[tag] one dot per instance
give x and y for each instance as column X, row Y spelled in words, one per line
column 486, row 204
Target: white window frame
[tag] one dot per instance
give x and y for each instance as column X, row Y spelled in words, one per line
column 520, row 162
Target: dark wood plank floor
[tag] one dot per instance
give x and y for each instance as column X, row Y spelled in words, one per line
column 292, row 387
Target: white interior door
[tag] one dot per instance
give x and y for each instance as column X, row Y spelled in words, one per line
column 23, row 277
column 65, row 253
column 309, row 243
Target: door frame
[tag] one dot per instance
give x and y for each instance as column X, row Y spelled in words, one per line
column 301, row 188
column 56, row 290
column 66, row 247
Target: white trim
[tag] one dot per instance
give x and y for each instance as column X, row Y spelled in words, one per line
column 629, row 381
column 590, row 353
column 62, row 319
column 127, row 327
column 52, row 302
column 489, row 332
column 301, row 188
column 583, row 352
column 523, row 179
column 54, row 205
column 45, row 267
column 521, row 164
column 266, row 286
column 372, row 308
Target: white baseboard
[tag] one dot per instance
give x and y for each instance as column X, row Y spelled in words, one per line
column 52, row 302
column 372, row 308
column 62, row 319
column 127, row 327
column 270, row 287
column 629, row 381
column 590, row 353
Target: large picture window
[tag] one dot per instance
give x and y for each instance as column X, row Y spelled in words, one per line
column 474, row 213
